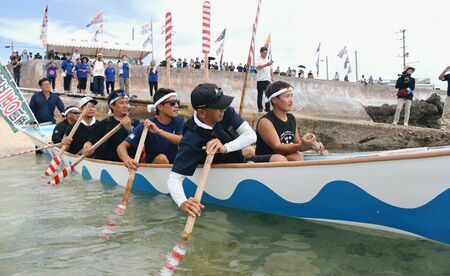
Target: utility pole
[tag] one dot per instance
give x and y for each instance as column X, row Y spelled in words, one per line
column 356, row 65
column 132, row 33
column 12, row 47
column 326, row 62
column 404, row 53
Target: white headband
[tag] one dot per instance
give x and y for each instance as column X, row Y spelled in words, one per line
column 278, row 93
column 70, row 110
column 152, row 107
column 117, row 98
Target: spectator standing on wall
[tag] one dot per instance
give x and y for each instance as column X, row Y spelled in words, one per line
column 152, row 71
column 52, row 68
column 405, row 85
column 67, row 67
column 110, row 75
column 16, row 69
column 99, row 75
column 124, row 75
column 264, row 76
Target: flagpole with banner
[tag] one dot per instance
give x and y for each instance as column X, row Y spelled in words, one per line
column 251, row 54
column 221, row 49
column 44, row 27
column 206, row 36
column 151, row 34
column 318, row 60
column 168, row 44
column 13, row 106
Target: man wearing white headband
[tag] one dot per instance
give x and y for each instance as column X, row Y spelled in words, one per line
column 161, row 143
column 277, row 130
column 120, row 108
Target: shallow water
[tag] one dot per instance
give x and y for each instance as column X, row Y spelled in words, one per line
column 56, row 231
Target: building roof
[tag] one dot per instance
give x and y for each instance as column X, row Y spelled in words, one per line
column 109, row 49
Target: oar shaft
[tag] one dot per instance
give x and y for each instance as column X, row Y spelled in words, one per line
column 244, row 91
column 29, row 151
column 137, row 157
column 198, row 195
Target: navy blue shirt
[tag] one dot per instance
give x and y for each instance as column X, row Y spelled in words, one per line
column 152, row 76
column 44, row 109
column 68, row 66
column 110, row 74
column 51, row 71
column 125, row 70
column 190, row 153
column 447, row 78
column 155, row 144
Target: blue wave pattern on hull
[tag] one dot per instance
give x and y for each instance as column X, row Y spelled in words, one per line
column 338, row 200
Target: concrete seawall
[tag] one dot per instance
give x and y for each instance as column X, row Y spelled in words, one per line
column 322, row 99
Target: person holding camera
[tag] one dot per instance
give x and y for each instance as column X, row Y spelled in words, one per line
column 405, row 85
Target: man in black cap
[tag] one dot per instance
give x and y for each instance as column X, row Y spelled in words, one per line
column 214, row 128
column 84, row 131
column 120, row 108
column 405, row 85
column 71, row 114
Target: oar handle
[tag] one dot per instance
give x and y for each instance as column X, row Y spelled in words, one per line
column 198, row 196
column 72, row 132
column 137, row 157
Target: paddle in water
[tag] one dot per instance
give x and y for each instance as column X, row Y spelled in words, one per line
column 177, row 254
column 66, row 171
column 56, row 161
column 120, row 210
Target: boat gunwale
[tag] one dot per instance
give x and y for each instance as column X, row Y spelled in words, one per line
column 349, row 160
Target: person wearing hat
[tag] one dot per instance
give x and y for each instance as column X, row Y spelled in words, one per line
column 216, row 128
column 84, row 131
column 99, row 75
column 164, row 136
column 43, row 103
column 82, row 70
column 405, row 85
column 71, row 114
column 445, row 119
column 277, row 131
column 120, row 108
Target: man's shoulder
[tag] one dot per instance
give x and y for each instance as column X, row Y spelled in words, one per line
column 447, row 77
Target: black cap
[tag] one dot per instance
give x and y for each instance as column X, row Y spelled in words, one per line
column 209, row 95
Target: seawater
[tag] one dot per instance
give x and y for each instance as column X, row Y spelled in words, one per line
column 47, row 230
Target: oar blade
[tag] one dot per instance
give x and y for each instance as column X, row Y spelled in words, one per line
column 54, row 164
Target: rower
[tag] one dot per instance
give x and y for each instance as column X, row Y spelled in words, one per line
column 277, row 130
column 215, row 127
column 164, row 136
column 118, row 102
column 71, row 114
column 84, row 131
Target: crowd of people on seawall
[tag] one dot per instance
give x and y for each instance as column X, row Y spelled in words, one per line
column 99, row 76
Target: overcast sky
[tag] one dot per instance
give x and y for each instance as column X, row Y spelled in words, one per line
column 296, row 28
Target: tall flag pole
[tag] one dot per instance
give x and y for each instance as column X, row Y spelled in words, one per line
column 98, row 18
column 251, row 54
column 168, row 32
column 206, row 35
column 318, row 60
column 221, row 49
column 151, row 34
column 44, row 27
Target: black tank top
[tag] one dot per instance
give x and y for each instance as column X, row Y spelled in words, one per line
column 285, row 131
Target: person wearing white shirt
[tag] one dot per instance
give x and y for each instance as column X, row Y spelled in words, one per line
column 76, row 55
column 264, row 76
column 99, row 75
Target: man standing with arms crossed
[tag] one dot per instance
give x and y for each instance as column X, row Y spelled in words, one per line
column 264, row 77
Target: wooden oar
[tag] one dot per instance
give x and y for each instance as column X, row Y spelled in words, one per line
column 56, row 161
column 120, row 210
column 177, row 254
column 65, row 171
column 29, row 151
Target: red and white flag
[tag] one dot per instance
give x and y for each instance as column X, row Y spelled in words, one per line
column 346, row 63
column 168, row 32
column 44, row 26
column 251, row 52
column 98, row 32
column 206, row 32
column 98, row 18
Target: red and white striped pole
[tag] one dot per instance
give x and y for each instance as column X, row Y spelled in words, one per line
column 168, row 32
column 251, row 55
column 206, row 35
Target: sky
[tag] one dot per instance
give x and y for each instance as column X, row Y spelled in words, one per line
column 296, row 27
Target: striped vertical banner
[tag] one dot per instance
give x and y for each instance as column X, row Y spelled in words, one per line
column 206, row 32
column 251, row 53
column 168, row 32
